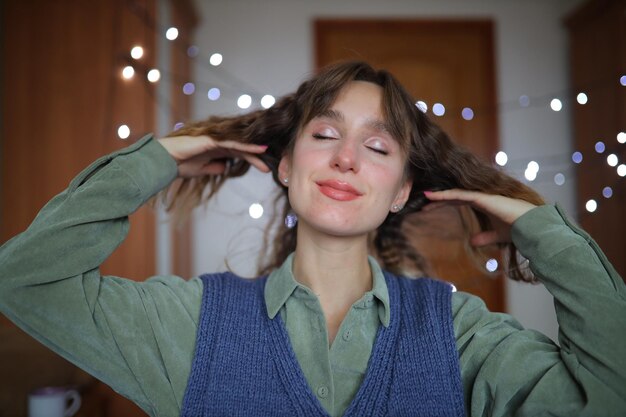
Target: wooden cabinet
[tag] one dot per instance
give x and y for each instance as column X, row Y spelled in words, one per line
column 597, row 33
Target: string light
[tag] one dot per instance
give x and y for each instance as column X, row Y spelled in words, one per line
column 128, row 72
column 612, row 160
column 215, row 59
column 532, row 169
column 189, row 89
column 556, row 104
column 171, row 34
column 154, row 75
column 467, row 113
column 559, row 179
column 599, row 146
column 136, row 52
column 244, row 101
column 193, row 51
column 123, row 132
column 591, row 205
column 501, row 158
column 524, row 101
column 491, row 265
column 267, row 101
column 214, row 93
column 530, row 175
column 255, row 210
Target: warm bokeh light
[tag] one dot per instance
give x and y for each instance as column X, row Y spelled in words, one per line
column 128, row 72
column 136, row 52
column 123, row 132
column 215, row 59
column 171, row 34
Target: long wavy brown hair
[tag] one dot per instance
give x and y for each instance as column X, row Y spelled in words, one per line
column 434, row 162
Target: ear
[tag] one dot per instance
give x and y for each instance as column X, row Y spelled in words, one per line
column 284, row 169
column 403, row 194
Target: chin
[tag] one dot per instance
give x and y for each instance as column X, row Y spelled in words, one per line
column 350, row 225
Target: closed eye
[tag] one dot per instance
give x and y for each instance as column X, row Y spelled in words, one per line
column 322, row 137
column 380, row 151
column 377, row 145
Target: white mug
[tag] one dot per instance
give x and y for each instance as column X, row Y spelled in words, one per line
column 53, row 402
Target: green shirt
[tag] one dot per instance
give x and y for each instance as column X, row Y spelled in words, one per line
column 139, row 337
column 334, row 373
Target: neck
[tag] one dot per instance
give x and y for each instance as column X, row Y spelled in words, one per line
column 335, row 268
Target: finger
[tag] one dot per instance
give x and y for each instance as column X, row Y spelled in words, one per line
column 486, row 238
column 244, row 147
column 251, row 159
column 453, row 194
column 199, row 169
column 213, row 168
column 256, row 162
column 440, row 204
column 434, row 206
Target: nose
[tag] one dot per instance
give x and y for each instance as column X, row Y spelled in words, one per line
column 346, row 157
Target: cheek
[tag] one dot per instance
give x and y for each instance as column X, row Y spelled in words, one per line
column 388, row 179
column 305, row 159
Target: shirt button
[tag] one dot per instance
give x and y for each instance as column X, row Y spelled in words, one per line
column 322, row 391
column 347, row 335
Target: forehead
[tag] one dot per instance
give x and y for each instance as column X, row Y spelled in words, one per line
column 358, row 100
column 360, row 94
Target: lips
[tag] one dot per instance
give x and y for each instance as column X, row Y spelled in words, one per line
column 338, row 190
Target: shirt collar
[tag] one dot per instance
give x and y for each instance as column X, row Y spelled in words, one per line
column 281, row 284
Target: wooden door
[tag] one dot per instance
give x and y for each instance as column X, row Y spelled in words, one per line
column 597, row 34
column 447, row 62
column 63, row 100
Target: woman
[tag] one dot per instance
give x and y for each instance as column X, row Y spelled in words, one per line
column 328, row 332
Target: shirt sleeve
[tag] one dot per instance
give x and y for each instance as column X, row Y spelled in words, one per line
column 137, row 337
column 511, row 371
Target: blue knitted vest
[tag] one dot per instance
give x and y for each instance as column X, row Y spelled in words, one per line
column 244, row 364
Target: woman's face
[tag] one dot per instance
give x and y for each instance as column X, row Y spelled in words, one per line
column 346, row 170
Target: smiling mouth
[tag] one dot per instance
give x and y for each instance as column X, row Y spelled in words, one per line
column 338, row 190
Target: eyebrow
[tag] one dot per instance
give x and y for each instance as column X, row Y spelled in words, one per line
column 332, row 114
column 338, row 116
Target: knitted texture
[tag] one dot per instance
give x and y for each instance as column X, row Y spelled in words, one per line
column 244, row 364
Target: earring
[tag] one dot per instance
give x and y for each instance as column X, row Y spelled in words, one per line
column 396, row 208
column 286, row 180
column 291, row 220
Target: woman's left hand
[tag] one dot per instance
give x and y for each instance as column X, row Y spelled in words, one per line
column 503, row 211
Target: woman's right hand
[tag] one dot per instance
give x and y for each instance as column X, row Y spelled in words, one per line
column 197, row 156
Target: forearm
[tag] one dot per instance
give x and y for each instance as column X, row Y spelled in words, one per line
column 79, row 228
column 589, row 295
column 49, row 278
column 508, row 370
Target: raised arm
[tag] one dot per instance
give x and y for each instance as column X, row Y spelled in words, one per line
column 136, row 337
column 508, row 370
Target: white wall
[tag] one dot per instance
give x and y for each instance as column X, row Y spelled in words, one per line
column 268, row 45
